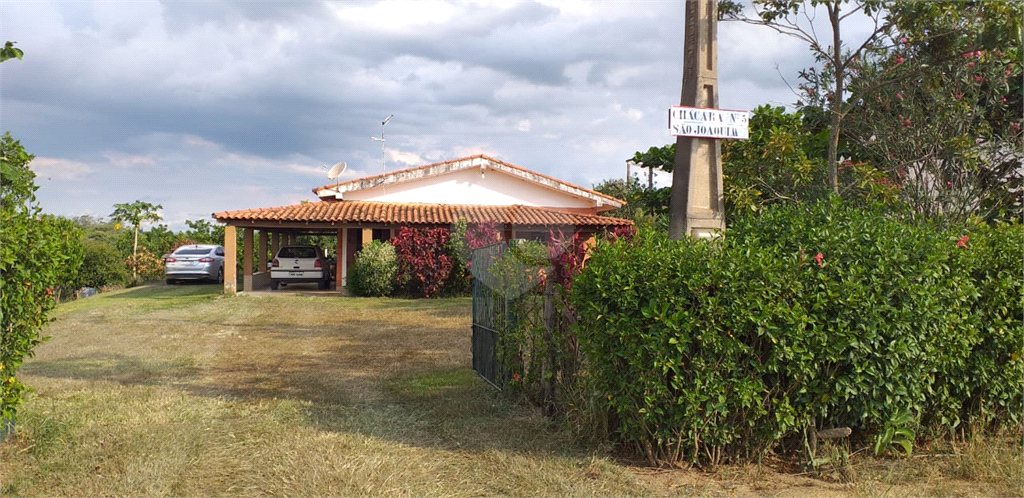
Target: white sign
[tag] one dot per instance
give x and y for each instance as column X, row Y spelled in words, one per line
column 708, row 123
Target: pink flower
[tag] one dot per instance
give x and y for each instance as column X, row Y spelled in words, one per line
column 900, row 59
column 962, row 242
column 899, row 96
column 820, row 259
column 959, row 96
column 903, row 40
column 1007, row 72
column 970, row 64
column 977, row 78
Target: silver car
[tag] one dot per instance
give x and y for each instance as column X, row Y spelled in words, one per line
column 195, row 262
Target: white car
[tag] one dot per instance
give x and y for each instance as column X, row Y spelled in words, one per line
column 195, row 262
column 300, row 264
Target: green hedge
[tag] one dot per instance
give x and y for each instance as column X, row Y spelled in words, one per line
column 807, row 315
column 373, row 272
column 102, row 265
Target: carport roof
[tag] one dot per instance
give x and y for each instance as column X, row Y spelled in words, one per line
column 413, row 214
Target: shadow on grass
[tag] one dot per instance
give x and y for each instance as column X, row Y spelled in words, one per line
column 450, row 409
column 401, row 373
column 163, row 291
column 121, row 369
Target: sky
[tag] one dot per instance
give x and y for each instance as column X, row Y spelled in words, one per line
column 209, row 106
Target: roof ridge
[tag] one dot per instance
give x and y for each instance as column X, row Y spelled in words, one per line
column 470, row 158
column 406, row 170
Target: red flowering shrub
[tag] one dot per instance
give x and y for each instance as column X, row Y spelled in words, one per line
column 465, row 238
column 424, row 262
column 566, row 256
column 482, row 235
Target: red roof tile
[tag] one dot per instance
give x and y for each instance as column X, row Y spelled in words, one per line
column 414, row 214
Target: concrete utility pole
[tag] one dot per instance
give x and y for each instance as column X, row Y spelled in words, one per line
column 697, row 207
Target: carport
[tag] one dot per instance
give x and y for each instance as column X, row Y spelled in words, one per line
column 261, row 241
column 354, row 223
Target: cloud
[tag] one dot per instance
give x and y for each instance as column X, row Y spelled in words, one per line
column 49, row 168
column 216, row 105
column 123, row 160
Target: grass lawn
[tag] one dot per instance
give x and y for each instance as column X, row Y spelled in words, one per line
column 177, row 391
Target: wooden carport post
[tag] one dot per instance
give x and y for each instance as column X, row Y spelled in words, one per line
column 247, row 259
column 262, row 261
column 338, row 260
column 230, row 257
column 275, row 244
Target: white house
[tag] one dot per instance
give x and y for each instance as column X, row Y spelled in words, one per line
column 523, row 203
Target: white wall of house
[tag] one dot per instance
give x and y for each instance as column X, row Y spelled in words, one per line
column 488, row 187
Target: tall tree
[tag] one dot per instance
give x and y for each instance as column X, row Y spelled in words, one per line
column 662, row 158
column 204, row 232
column 829, row 84
column 647, row 207
column 940, row 107
column 781, row 161
column 135, row 214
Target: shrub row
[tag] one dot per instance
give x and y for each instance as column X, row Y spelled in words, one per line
column 420, row 262
column 374, row 270
column 816, row 315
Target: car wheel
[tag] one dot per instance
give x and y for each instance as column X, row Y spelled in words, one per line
column 274, row 284
column 171, row 281
column 220, row 275
column 322, row 285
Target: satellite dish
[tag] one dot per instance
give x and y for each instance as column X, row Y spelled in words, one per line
column 336, row 170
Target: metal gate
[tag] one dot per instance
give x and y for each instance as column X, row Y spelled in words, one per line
column 491, row 317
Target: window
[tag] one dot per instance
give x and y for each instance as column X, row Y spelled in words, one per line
column 382, row 234
column 297, row 252
column 192, row 252
column 537, row 236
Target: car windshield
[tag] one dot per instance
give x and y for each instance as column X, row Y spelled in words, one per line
column 191, row 252
column 297, row 252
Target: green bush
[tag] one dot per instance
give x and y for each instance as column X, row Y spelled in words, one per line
column 373, row 272
column 989, row 382
column 817, row 315
column 39, row 254
column 102, row 266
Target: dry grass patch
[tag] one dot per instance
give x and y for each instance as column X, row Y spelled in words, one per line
column 177, row 391
column 171, row 391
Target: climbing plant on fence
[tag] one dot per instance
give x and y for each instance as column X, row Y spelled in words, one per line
column 805, row 317
column 539, row 347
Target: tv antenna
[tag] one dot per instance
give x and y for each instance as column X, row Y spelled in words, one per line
column 336, row 172
column 380, row 139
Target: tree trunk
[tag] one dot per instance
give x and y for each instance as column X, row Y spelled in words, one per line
column 837, row 100
column 135, row 252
